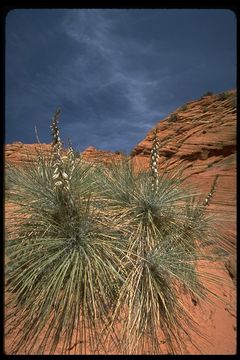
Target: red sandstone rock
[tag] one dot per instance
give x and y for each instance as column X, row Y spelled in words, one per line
column 202, row 141
column 91, row 154
column 17, row 153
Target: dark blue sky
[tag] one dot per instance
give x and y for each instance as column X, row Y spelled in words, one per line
column 114, row 73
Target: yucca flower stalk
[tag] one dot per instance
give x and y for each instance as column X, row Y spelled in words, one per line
column 60, row 176
column 40, row 157
column 71, row 160
column 165, row 233
column 60, row 268
column 61, row 179
column 211, row 192
column 154, row 161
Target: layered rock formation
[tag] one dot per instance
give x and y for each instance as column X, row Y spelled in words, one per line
column 200, row 139
column 18, row 153
column 197, row 137
column 91, row 154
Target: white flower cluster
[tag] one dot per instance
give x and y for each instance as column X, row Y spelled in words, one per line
column 154, row 161
column 60, row 177
column 210, row 194
column 70, row 157
column 208, row 198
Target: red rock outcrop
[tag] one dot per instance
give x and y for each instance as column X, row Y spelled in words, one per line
column 200, row 138
column 18, row 153
column 91, row 154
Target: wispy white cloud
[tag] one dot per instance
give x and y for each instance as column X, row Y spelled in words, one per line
column 115, row 73
column 114, row 52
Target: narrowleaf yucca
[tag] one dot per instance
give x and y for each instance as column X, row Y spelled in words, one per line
column 98, row 258
column 62, row 278
column 63, row 256
column 166, row 233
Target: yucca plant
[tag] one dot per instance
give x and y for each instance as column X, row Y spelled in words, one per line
column 62, row 258
column 99, row 256
column 166, row 234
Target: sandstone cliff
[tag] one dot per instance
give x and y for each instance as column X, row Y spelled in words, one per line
column 91, row 154
column 200, row 138
column 18, row 153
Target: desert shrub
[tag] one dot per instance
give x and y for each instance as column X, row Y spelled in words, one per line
column 7, row 181
column 162, row 225
column 210, row 165
column 120, row 152
column 223, row 96
column 61, row 256
column 173, row 118
column 204, row 109
column 144, row 152
column 132, row 153
column 183, row 107
column 95, row 247
column 208, row 93
column 77, row 153
column 234, row 102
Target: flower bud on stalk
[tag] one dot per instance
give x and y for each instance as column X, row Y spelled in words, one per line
column 210, row 194
column 154, row 161
column 70, row 156
column 60, row 177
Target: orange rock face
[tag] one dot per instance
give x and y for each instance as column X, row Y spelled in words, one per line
column 91, row 154
column 18, row 153
column 201, row 140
